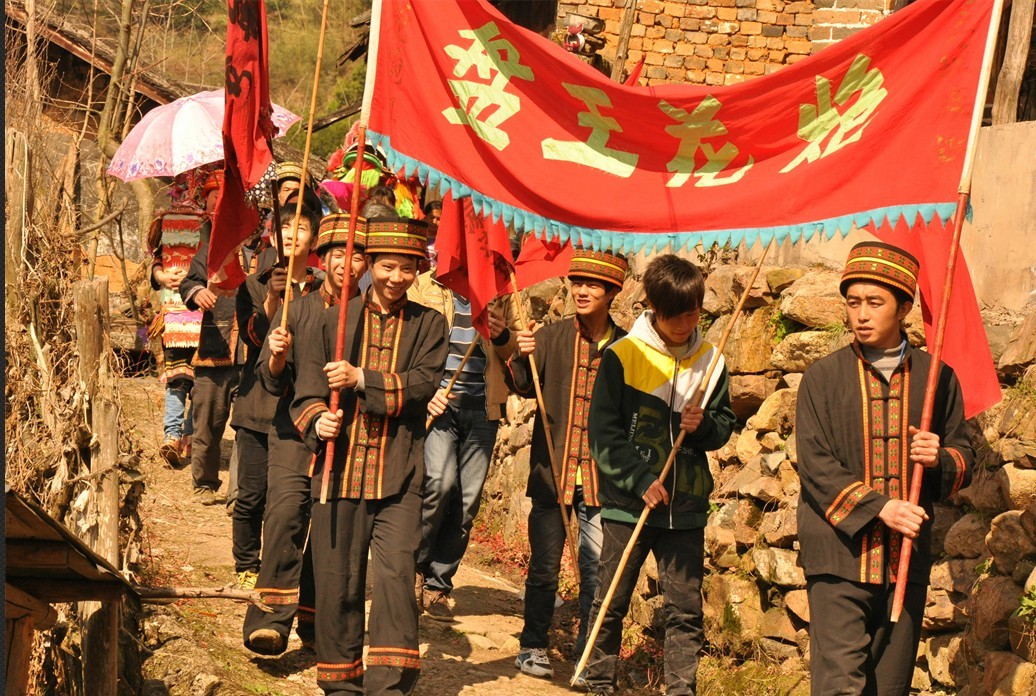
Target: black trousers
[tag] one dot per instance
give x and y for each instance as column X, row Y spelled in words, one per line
column 214, row 390
column 343, row 531
column 250, row 505
column 286, row 573
column 859, row 650
column 680, row 554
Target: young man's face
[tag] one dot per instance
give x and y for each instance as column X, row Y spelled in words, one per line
column 392, row 275
column 677, row 330
column 592, row 297
column 874, row 315
column 335, row 263
column 286, row 188
column 303, row 241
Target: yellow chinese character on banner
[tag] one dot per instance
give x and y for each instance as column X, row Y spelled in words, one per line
column 691, row 129
column 818, row 122
column 595, row 151
column 484, row 105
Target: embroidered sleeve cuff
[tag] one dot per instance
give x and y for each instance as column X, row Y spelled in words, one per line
column 253, row 337
column 305, row 419
column 393, row 393
column 845, row 502
column 960, row 469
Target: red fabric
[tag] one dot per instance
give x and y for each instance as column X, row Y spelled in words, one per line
column 532, row 130
column 965, row 346
column 541, row 260
column 634, row 76
column 474, row 257
column 247, row 132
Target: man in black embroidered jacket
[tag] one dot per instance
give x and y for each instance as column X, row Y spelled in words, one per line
column 394, row 356
column 285, row 581
column 857, row 439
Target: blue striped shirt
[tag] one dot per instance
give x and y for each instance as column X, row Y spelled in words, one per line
column 470, row 387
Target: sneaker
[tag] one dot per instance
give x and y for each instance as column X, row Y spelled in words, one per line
column 205, row 496
column 419, row 591
column 534, row 662
column 246, row 579
column 170, row 451
column 185, row 448
column 266, row 641
column 437, row 605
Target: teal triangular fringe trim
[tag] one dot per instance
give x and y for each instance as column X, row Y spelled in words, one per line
column 527, row 221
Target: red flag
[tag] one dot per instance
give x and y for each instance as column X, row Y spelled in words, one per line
column 541, row 260
column 634, row 76
column 247, row 131
column 965, row 346
column 474, row 257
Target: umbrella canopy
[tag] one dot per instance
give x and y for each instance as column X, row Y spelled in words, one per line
column 181, row 135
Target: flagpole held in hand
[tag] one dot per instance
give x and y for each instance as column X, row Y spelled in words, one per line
column 305, row 169
column 700, row 397
column 569, row 535
column 964, row 192
column 453, row 380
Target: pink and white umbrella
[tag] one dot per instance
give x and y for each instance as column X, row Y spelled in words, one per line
column 181, row 135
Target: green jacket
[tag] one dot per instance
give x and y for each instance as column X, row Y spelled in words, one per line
column 640, row 392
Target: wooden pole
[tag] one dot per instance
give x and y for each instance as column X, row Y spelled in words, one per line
column 343, row 301
column 276, row 226
column 700, row 396
column 622, row 49
column 305, row 168
column 1009, row 81
column 573, row 547
column 453, row 380
column 964, row 191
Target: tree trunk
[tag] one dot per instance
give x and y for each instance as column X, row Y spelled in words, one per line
column 19, row 193
column 1016, row 51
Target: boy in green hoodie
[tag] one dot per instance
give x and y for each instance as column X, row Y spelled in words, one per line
column 641, row 401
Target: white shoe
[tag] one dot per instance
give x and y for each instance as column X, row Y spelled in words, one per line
column 534, row 662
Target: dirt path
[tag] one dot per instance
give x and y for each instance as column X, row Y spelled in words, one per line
column 196, row 644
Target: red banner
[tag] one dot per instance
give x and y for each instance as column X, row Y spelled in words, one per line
column 873, row 127
column 247, row 132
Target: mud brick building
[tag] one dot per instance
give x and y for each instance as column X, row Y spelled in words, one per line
column 717, row 42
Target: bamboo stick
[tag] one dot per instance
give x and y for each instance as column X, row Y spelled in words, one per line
column 453, row 380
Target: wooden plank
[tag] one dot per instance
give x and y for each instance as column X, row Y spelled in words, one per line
column 20, row 604
column 1016, row 52
column 622, row 49
column 19, row 651
column 57, row 591
column 100, row 648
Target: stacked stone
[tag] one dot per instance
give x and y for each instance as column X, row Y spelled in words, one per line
column 722, row 42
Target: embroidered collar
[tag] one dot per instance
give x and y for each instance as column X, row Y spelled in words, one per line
column 372, row 306
column 585, row 334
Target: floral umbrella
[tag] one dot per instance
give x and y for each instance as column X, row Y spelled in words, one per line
column 179, row 136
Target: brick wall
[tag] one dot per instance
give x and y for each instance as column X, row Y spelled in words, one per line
column 718, row 42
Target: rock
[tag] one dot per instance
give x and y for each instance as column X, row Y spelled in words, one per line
column 750, row 345
column 1006, row 674
column 481, row 642
column 919, row 680
column 740, row 478
column 945, row 517
column 747, row 393
column 778, row 651
column 724, row 516
column 967, row 537
column 777, row 414
column 748, row 445
column 1008, row 542
column 765, row 489
column 790, row 381
column 1022, row 571
column 499, row 638
column 984, row 492
column 1029, row 519
column 1021, row 452
column 724, row 286
column 721, row 545
column 1017, row 485
column 953, row 575
column 776, row 624
column 648, row 612
column 814, row 301
column 941, row 613
column 541, row 296
column 771, row 461
column 205, row 684
column 772, row 442
column 733, row 606
column 913, row 326
column 999, row 336
column 1021, row 349
column 727, row 454
column 746, row 523
column 780, row 528
column 800, row 350
column 779, row 567
column 789, row 480
column 944, row 656
column 791, row 450
column 798, row 604
column 1022, row 630
column 780, row 278
column 1019, row 416
column 1030, row 584
column 520, row 436
column 990, row 606
column 154, row 687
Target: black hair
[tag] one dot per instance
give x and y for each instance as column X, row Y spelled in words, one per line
column 673, row 286
column 308, row 213
column 382, row 194
column 432, row 205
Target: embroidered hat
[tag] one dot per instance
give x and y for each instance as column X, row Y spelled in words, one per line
column 334, row 231
column 292, row 170
column 877, row 262
column 601, row 265
column 397, row 236
column 215, row 181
